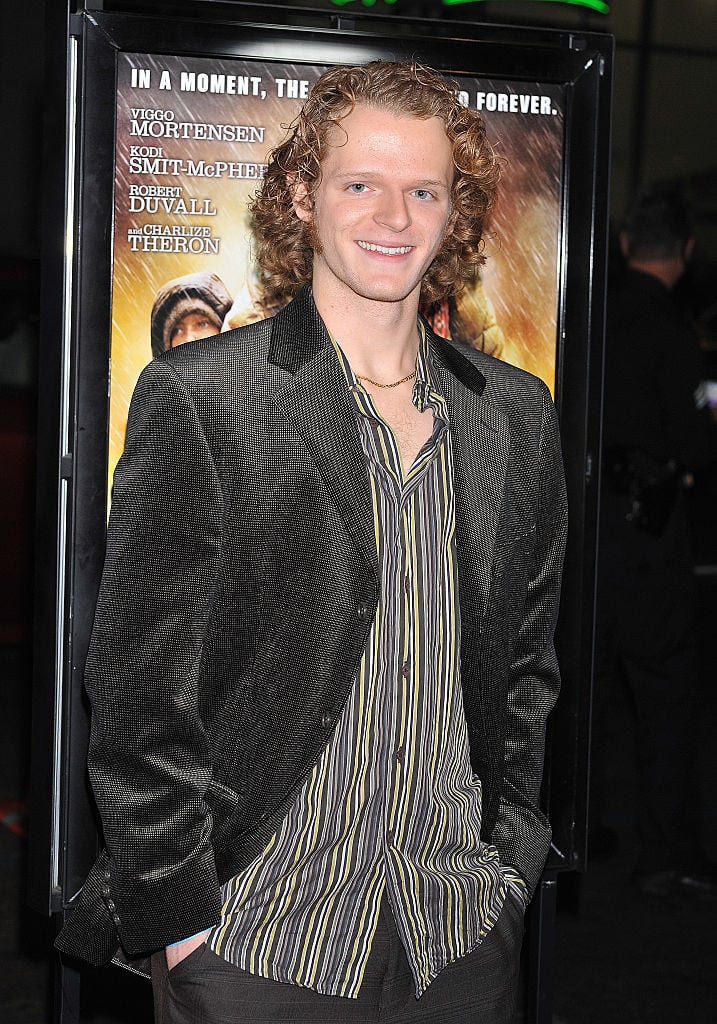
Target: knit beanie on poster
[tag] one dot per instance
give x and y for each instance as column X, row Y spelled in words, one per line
column 194, row 293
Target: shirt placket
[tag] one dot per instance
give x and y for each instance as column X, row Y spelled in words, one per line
column 396, row 774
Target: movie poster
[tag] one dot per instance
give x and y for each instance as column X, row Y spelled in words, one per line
column 192, row 138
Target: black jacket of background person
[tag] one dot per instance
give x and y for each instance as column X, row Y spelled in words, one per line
column 653, row 369
column 239, row 588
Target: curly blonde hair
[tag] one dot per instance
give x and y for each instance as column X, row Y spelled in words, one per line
column 285, row 244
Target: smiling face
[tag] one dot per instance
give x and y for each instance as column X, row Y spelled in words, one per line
column 382, row 208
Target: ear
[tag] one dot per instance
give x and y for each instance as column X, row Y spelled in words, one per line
column 299, row 196
column 451, row 224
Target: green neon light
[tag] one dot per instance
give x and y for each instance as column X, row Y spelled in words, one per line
column 593, row 5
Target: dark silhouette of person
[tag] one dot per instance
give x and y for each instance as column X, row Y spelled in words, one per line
column 657, row 433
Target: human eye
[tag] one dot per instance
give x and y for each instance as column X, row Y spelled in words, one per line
column 357, row 188
column 423, row 194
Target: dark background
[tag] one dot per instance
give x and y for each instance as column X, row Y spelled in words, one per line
column 617, row 958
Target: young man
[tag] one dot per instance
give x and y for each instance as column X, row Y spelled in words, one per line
column 322, row 660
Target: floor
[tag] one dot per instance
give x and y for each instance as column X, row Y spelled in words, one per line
column 618, row 958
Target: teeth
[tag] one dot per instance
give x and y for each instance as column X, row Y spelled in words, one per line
column 398, row 250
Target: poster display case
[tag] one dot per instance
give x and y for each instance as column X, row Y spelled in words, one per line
column 162, row 120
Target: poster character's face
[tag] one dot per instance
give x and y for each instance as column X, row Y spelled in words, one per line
column 192, row 327
column 383, row 207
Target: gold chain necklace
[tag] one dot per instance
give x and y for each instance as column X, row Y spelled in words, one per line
column 395, row 384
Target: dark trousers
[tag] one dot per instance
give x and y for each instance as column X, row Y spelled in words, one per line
column 644, row 639
column 480, row 988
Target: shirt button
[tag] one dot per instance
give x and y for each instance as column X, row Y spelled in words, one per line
column 407, row 584
column 389, row 838
column 115, row 919
column 406, row 670
column 399, row 755
column 105, row 891
column 111, row 906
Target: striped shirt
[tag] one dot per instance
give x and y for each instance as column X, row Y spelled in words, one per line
column 392, row 808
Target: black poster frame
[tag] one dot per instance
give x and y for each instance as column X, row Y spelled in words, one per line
column 76, row 340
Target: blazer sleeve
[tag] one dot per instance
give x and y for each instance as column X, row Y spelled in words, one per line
column 149, row 756
column 522, row 833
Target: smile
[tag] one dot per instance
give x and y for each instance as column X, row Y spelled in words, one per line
column 398, row 250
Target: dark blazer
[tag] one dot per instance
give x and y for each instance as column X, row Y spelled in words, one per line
column 238, row 592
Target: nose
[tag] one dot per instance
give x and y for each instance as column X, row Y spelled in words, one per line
column 392, row 211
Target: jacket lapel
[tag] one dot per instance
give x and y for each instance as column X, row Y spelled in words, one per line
column 315, row 397
column 481, row 439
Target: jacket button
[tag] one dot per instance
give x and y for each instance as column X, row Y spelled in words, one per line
column 111, row 906
column 325, row 721
column 115, row 919
column 363, row 612
column 105, row 891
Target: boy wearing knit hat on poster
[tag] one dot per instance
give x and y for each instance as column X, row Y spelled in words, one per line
column 188, row 308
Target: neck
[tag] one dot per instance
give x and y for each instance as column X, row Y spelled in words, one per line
column 668, row 272
column 380, row 339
